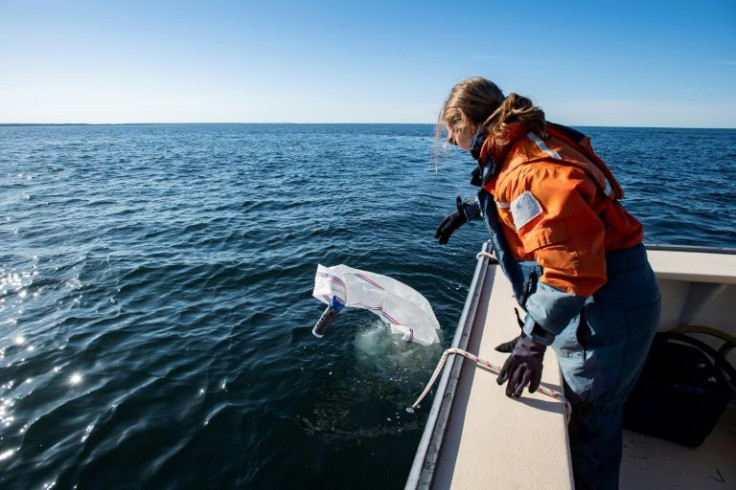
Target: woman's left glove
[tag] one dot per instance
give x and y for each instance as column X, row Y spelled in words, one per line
column 451, row 223
column 523, row 367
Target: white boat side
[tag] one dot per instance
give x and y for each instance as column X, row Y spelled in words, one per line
column 476, row 437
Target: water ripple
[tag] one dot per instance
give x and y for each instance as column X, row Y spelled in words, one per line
column 155, row 293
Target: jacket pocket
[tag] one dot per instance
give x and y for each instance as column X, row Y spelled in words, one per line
column 568, row 343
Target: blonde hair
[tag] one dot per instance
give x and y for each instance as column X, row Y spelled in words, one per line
column 478, row 104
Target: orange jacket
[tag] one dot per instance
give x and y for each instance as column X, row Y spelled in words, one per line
column 558, row 208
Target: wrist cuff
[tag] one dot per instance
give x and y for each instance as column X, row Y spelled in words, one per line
column 536, row 332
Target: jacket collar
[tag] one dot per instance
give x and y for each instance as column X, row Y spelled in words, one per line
column 477, row 144
column 489, row 154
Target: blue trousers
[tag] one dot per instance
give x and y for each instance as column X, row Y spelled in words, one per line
column 601, row 354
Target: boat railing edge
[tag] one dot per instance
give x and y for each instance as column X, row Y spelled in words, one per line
column 422, row 470
column 690, row 248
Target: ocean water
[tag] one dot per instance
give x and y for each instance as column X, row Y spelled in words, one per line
column 155, row 293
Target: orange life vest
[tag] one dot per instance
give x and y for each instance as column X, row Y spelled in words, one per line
column 558, row 205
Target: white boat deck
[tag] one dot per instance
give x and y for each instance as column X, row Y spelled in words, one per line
column 488, row 443
column 477, row 438
column 649, row 462
column 698, row 288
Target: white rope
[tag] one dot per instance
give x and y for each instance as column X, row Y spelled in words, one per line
column 495, row 369
column 485, row 254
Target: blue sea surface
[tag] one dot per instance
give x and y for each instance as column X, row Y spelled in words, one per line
column 155, row 293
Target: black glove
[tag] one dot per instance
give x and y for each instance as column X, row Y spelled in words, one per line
column 507, row 347
column 524, row 366
column 451, row 223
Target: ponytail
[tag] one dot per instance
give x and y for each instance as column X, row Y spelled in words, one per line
column 515, row 109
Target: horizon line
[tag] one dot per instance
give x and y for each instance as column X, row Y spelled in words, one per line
column 13, row 124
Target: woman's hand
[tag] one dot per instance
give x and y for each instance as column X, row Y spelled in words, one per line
column 450, row 224
column 523, row 367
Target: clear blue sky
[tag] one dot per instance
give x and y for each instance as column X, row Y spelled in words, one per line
column 642, row 63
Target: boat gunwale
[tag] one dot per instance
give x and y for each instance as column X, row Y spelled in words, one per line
column 690, row 248
column 425, row 459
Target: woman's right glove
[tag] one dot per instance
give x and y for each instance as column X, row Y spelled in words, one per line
column 523, row 366
column 451, row 223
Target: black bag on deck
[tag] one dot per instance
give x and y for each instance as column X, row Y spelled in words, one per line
column 683, row 390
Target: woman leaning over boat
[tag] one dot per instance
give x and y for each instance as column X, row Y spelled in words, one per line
column 574, row 258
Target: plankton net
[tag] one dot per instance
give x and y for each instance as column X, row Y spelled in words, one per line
column 407, row 312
